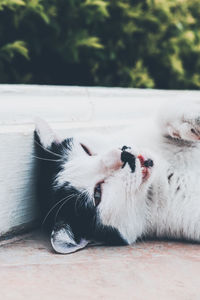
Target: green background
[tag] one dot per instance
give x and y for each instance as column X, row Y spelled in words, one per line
column 141, row 43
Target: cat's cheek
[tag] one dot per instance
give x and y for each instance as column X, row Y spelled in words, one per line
column 111, row 161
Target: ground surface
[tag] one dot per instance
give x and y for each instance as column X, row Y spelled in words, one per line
column 149, row 270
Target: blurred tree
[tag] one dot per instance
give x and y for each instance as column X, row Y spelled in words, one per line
column 12, row 46
column 130, row 43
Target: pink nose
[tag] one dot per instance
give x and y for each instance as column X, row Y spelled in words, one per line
column 145, row 163
column 148, row 163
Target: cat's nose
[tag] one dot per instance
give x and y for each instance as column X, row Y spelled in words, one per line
column 148, row 163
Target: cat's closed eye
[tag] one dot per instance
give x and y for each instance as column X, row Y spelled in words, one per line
column 86, row 149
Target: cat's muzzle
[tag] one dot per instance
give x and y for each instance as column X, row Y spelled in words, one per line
column 130, row 159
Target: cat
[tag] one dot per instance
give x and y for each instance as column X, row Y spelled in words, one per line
column 141, row 182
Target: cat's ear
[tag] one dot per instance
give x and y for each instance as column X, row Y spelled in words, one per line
column 63, row 240
column 45, row 134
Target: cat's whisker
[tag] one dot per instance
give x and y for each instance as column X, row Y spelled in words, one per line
column 65, row 202
column 51, row 209
column 81, row 194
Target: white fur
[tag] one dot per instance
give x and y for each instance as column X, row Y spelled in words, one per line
column 165, row 204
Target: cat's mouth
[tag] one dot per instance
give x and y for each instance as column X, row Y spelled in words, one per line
column 146, row 165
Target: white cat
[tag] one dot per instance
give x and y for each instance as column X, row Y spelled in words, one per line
column 94, row 190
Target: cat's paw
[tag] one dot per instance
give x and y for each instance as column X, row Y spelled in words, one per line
column 181, row 121
column 188, row 128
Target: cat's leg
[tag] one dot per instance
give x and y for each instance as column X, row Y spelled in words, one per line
column 181, row 122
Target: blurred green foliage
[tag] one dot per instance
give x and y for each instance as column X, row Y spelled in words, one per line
column 130, row 43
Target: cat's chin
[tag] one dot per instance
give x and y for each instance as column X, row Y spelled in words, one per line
column 146, row 167
column 145, row 174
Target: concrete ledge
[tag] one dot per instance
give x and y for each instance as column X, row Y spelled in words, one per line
column 70, row 110
column 147, row 270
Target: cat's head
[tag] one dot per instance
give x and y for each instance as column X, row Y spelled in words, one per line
column 88, row 195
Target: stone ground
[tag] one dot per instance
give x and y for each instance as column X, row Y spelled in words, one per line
column 149, row 270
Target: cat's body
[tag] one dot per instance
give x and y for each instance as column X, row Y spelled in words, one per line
column 106, row 202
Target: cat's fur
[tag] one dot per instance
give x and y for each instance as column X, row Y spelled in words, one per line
column 161, row 201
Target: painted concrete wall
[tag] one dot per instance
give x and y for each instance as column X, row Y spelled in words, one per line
column 68, row 109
